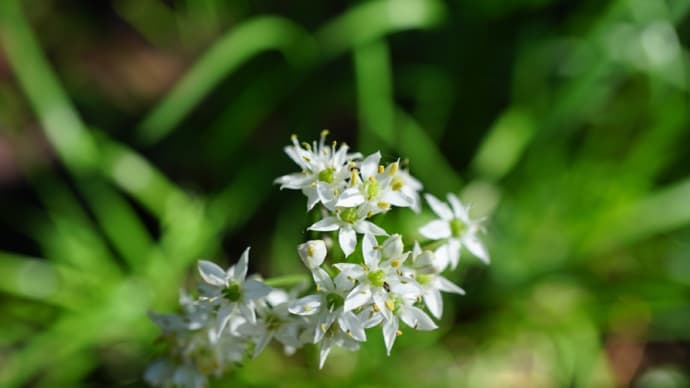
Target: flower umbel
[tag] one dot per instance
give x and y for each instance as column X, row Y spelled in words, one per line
column 393, row 285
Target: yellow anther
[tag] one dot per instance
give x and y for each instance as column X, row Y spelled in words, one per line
column 310, row 250
column 325, row 133
column 372, row 179
column 376, row 308
column 349, row 332
column 323, row 327
column 383, row 205
column 318, row 288
column 390, row 305
column 308, row 308
column 306, row 145
column 398, row 333
column 395, row 263
column 293, row 137
column 306, row 158
column 381, row 169
column 397, row 184
column 393, row 168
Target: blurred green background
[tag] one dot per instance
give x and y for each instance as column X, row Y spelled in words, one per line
column 139, row 136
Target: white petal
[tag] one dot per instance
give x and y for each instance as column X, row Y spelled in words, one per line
column 312, row 253
column 398, row 198
column 423, row 320
column 369, row 319
column 350, row 324
column 309, row 305
column 254, row 289
column 366, row 227
column 294, row 181
column 240, row 269
column 354, row 271
column 212, row 273
column 453, row 247
column 370, row 165
column 342, row 283
column 408, row 317
column 323, row 323
column 475, row 246
column 296, row 153
column 359, row 296
column 323, row 352
column 326, row 194
column 327, row 224
column 380, row 301
column 348, row 240
column 446, row 285
column 393, row 246
column 264, row 339
column 370, row 251
column 390, row 332
column 458, row 210
column 440, row 208
column 434, row 302
column 435, row 230
column 247, row 312
column 322, row 279
column 222, row 318
column 312, row 197
column 442, row 258
column 350, row 198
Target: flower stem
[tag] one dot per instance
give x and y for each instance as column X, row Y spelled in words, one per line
column 287, row 280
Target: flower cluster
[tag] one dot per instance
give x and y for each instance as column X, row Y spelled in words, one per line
column 391, row 286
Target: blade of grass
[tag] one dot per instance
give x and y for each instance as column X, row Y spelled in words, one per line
column 374, row 19
column 429, row 163
column 32, row 278
column 374, row 95
column 229, row 53
column 61, row 123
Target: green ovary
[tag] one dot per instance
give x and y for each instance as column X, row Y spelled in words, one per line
column 327, row 175
column 457, row 227
column 349, row 215
column 233, row 292
column 333, row 301
column 377, row 278
column 372, row 188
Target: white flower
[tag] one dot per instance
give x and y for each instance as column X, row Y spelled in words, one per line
column 312, row 253
column 456, row 227
column 399, row 305
column 327, row 306
column 380, row 188
column 349, row 222
column 324, row 170
column 275, row 322
column 335, row 336
column 374, row 277
column 231, row 290
column 425, row 271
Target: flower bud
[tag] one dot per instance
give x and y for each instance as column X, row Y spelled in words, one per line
column 393, row 246
column 312, row 253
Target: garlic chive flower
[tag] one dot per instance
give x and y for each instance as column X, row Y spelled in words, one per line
column 231, row 291
column 324, row 170
column 455, row 228
column 395, row 285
